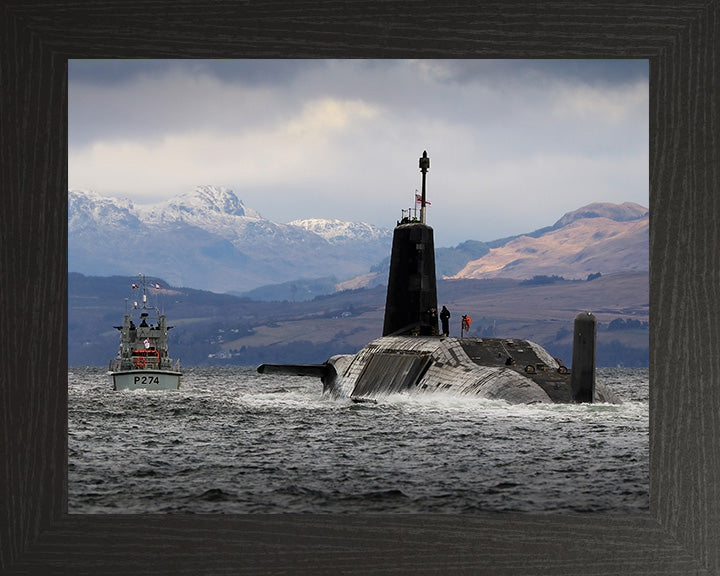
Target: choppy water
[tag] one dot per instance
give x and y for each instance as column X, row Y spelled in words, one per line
column 232, row 441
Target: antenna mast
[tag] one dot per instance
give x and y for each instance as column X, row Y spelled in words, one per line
column 424, row 167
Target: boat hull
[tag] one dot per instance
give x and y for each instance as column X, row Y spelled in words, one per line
column 145, row 380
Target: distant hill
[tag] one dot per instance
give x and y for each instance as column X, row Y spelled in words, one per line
column 220, row 329
column 598, row 238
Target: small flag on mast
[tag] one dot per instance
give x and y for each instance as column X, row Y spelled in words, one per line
column 418, row 199
column 134, row 286
column 157, row 286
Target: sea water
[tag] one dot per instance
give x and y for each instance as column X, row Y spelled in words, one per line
column 233, row 441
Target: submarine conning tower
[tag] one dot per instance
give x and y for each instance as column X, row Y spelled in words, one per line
column 411, row 302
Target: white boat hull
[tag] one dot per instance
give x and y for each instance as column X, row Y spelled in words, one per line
column 145, row 380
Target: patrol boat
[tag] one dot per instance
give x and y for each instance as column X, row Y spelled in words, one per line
column 413, row 358
column 143, row 360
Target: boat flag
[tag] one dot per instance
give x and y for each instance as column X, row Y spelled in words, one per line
column 134, row 286
column 418, row 199
column 157, row 286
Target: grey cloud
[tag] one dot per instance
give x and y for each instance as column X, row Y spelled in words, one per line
column 592, row 72
column 149, row 99
column 247, row 71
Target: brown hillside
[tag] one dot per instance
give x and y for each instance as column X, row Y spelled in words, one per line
column 582, row 247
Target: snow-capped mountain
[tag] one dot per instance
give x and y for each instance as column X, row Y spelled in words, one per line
column 206, row 205
column 338, row 231
column 86, row 208
column 207, row 238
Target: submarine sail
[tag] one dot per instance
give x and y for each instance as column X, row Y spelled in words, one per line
column 411, row 357
column 411, row 302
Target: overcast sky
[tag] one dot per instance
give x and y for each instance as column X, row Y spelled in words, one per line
column 513, row 144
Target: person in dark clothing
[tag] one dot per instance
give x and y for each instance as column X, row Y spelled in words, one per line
column 445, row 319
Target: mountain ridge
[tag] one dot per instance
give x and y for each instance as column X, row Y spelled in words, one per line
column 208, row 239
column 617, row 212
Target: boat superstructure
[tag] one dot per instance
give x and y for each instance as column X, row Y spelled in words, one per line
column 412, row 357
column 143, row 359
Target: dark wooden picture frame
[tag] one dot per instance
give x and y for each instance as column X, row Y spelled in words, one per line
column 680, row 535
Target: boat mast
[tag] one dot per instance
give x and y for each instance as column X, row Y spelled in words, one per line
column 143, row 284
column 144, row 289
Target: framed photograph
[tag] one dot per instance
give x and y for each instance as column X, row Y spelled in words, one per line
column 679, row 533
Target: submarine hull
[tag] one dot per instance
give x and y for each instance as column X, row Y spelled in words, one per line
column 516, row 371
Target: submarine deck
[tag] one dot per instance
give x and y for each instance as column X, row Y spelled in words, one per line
column 525, row 358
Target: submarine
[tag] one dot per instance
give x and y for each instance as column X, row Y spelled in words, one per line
column 412, row 357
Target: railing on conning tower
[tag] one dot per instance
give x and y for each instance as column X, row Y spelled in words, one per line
column 409, row 215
